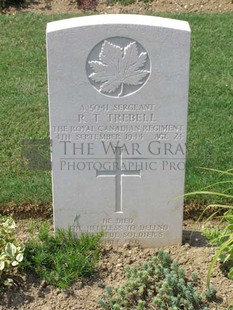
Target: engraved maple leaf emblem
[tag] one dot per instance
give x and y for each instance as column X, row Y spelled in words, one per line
column 118, row 66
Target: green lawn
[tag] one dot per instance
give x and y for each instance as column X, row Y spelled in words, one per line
column 24, row 106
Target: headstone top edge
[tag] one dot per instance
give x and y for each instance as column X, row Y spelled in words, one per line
column 118, row 19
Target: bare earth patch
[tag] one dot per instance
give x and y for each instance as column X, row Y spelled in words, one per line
column 103, row 7
column 30, row 293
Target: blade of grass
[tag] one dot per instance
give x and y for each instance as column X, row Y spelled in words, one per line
column 215, row 258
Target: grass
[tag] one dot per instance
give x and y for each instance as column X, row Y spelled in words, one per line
column 24, row 106
column 61, row 259
column 219, row 235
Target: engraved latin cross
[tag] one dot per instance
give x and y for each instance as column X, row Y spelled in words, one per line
column 118, row 174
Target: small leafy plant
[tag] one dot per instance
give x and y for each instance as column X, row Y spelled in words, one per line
column 11, row 254
column 221, row 236
column 158, row 284
column 61, row 258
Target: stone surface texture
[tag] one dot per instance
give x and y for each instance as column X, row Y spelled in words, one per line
column 118, row 93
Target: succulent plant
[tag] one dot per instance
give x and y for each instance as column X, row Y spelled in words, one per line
column 158, row 284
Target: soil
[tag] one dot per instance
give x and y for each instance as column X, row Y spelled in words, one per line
column 31, row 293
column 194, row 255
column 104, row 6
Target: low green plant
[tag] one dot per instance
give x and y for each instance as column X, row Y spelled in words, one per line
column 222, row 236
column 158, row 284
column 11, row 254
column 61, row 258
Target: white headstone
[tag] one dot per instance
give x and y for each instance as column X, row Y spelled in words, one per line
column 118, row 93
